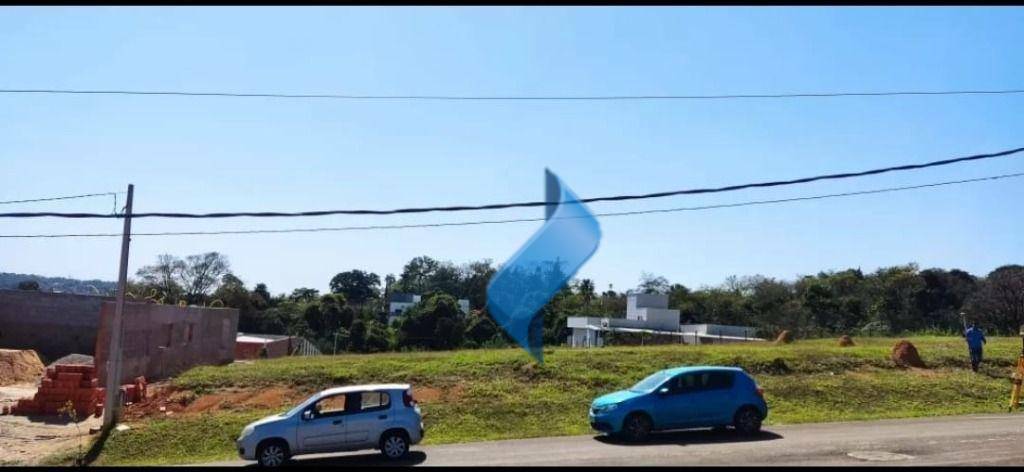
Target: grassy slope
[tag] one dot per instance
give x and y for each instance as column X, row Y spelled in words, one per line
column 502, row 394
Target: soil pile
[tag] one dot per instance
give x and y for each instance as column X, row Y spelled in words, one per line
column 19, row 366
column 904, row 354
column 785, row 337
column 845, row 341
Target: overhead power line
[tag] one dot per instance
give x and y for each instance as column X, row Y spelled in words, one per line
column 523, row 220
column 66, row 197
column 497, row 206
column 332, row 96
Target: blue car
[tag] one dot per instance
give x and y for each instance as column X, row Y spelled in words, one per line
column 680, row 398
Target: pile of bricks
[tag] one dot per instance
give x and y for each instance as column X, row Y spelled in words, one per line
column 134, row 392
column 77, row 384
column 61, row 384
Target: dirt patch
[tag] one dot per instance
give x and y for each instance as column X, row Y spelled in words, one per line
column 785, row 337
column 28, row 440
column 904, row 354
column 845, row 341
column 427, row 395
column 19, row 366
column 168, row 401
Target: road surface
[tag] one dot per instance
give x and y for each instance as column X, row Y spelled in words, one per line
column 959, row 440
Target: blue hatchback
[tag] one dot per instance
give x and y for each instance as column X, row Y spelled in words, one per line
column 680, row 398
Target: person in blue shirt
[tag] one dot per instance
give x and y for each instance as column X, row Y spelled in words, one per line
column 975, row 340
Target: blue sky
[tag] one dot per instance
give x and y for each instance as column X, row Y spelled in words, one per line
column 216, row 154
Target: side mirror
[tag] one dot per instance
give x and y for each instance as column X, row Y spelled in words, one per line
column 307, row 415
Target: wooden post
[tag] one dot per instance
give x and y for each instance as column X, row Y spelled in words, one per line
column 112, row 400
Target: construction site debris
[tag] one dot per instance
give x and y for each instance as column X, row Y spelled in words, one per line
column 18, row 366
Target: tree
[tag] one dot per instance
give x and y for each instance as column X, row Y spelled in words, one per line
column 357, row 286
column 586, row 290
column 28, row 285
column 304, row 294
column 202, row 274
column 261, row 296
column 943, row 297
column 164, row 276
column 435, row 323
column 999, row 301
column 193, row 278
column 894, row 292
column 416, row 274
column 475, row 278
column 481, row 329
column 650, row 283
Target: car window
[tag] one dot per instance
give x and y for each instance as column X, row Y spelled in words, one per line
column 650, row 383
column 375, row 400
column 719, row 380
column 686, row 383
column 330, row 406
column 701, row 381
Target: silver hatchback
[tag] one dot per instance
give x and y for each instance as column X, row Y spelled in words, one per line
column 384, row 417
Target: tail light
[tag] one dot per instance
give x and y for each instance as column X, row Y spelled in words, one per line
column 408, row 399
column 760, row 391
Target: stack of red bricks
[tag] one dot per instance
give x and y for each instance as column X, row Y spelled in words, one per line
column 134, row 392
column 77, row 384
column 63, row 383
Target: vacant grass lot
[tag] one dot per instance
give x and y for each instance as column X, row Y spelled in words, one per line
column 502, row 394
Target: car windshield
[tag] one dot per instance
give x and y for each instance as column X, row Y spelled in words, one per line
column 650, row 383
column 297, row 408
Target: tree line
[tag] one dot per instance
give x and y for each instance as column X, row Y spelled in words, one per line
column 352, row 316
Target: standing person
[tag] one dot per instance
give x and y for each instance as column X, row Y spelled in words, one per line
column 975, row 340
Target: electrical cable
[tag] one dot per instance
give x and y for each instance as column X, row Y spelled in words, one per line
column 67, row 197
column 522, row 220
column 269, row 214
column 510, row 97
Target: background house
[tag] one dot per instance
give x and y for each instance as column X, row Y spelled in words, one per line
column 398, row 302
column 649, row 321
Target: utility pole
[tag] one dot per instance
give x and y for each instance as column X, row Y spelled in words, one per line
column 112, row 400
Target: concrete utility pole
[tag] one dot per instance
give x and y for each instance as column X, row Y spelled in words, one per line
column 112, row 400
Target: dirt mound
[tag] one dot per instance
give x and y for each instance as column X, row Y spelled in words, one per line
column 74, row 359
column 845, row 341
column 785, row 337
column 19, row 366
column 904, row 354
column 169, row 400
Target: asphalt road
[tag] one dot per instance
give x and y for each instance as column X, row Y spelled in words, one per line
column 959, row 440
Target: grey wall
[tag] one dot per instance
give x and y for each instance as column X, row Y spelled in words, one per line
column 53, row 324
column 161, row 341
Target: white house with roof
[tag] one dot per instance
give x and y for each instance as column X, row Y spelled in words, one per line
column 649, row 314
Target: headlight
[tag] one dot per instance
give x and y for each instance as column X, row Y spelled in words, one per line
column 605, row 408
column 247, row 431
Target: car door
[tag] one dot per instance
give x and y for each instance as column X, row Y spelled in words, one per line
column 719, row 400
column 366, row 425
column 673, row 406
column 322, row 426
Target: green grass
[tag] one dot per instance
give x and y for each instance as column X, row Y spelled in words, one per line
column 503, row 394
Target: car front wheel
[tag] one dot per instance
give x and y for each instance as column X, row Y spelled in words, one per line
column 636, row 427
column 272, row 454
column 747, row 421
column 394, row 445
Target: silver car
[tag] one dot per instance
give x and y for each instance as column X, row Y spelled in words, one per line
column 384, row 417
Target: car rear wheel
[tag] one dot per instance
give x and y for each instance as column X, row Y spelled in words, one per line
column 636, row 427
column 747, row 421
column 394, row 445
column 272, row 454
